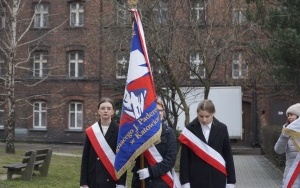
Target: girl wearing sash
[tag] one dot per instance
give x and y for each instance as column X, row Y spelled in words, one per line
column 99, row 151
column 206, row 158
column 167, row 148
column 285, row 144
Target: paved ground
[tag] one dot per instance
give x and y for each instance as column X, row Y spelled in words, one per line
column 252, row 169
column 255, row 171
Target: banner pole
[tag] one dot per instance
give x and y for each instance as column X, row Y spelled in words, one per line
column 133, row 4
column 142, row 166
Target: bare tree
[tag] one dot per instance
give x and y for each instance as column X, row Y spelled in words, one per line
column 14, row 41
column 190, row 44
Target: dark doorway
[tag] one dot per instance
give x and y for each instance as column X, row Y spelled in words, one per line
column 246, row 141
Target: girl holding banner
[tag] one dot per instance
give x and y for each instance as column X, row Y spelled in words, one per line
column 99, row 150
column 159, row 161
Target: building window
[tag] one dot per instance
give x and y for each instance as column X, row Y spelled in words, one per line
column 76, row 15
column 1, row 115
column 197, row 66
column 39, row 64
column 76, row 64
column 41, row 16
column 123, row 15
column 239, row 66
column 238, row 17
column 197, row 11
column 161, row 12
column 122, row 66
column 75, row 116
column 158, row 67
column 39, row 115
column 2, row 68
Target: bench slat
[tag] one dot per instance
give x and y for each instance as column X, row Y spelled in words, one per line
column 28, row 153
column 42, row 151
column 16, row 165
column 40, row 157
column 26, row 159
column 38, row 163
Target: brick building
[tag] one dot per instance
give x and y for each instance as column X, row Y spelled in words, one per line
column 56, row 95
column 75, row 52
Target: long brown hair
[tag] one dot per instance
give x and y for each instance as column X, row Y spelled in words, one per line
column 106, row 99
column 206, row 105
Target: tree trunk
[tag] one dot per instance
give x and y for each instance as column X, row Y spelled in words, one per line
column 10, row 137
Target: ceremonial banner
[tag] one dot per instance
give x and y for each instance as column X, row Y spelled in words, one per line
column 140, row 122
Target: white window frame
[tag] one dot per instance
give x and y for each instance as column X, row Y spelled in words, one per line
column 123, row 15
column 77, row 62
column 41, row 15
column 239, row 66
column 159, row 67
column 238, row 17
column 197, row 64
column 122, row 67
column 1, row 116
column 76, row 15
column 76, row 116
column 39, row 64
column 197, row 14
column 1, row 66
column 39, row 115
column 162, row 12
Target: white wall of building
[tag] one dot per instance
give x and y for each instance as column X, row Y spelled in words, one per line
column 228, row 103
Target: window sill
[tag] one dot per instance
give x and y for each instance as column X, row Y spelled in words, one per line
column 40, row 28
column 76, row 78
column 37, row 78
column 239, row 78
column 73, row 130
column 121, row 78
column 75, row 28
column 38, row 130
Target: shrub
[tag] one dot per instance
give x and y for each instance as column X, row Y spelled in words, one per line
column 270, row 135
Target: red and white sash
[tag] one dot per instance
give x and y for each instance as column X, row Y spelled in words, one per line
column 293, row 173
column 202, row 150
column 103, row 150
column 153, row 157
column 293, row 130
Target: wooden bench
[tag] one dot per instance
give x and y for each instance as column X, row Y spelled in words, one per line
column 35, row 160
